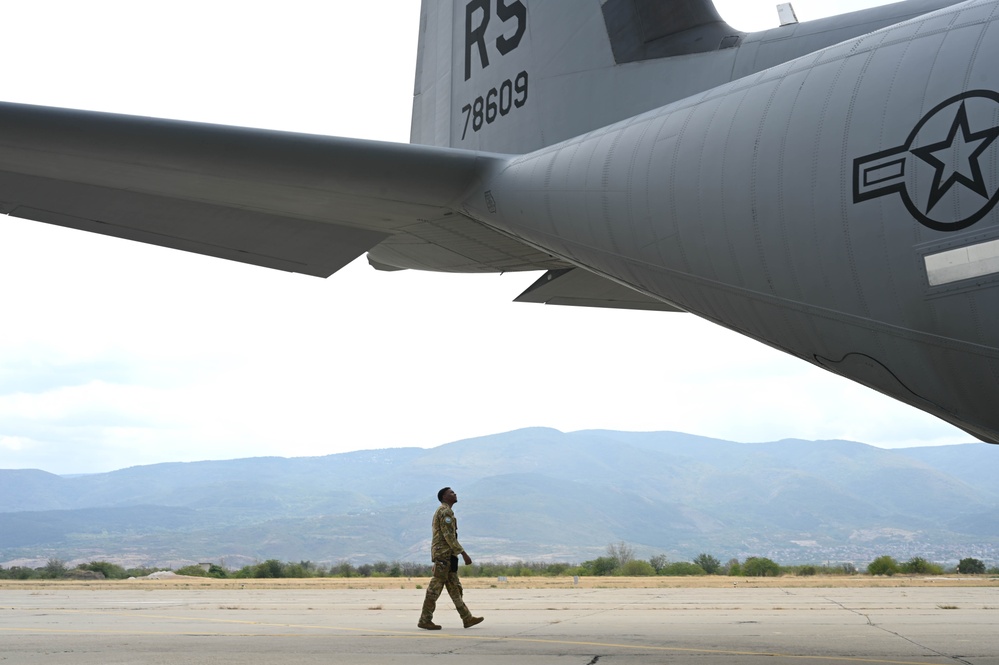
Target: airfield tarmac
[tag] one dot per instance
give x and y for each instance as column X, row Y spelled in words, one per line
column 251, row 622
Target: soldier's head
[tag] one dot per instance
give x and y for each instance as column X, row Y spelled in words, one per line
column 447, row 495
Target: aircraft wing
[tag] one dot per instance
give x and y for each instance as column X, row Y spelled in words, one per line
column 293, row 202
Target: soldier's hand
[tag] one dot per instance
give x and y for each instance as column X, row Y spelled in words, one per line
column 468, row 559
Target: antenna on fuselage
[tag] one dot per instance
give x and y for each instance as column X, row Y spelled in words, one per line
column 785, row 12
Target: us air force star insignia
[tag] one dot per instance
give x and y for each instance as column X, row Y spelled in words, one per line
column 939, row 172
column 447, row 520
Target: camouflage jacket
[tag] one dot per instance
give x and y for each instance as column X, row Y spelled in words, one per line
column 444, row 542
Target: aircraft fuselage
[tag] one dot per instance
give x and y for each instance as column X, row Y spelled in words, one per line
column 839, row 207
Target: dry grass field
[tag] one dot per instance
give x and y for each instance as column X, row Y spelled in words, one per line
column 706, row 582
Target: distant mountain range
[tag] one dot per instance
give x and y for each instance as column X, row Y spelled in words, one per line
column 532, row 494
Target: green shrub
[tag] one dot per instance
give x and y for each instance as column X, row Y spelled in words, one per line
column 683, row 569
column 197, row 570
column 18, row 573
column 760, row 566
column 917, row 565
column 272, row 568
column 637, row 568
column 54, row 569
column 971, row 566
column 343, row 569
column 708, row 563
column 556, row 569
column 193, row 571
column 603, row 565
column 111, row 571
column 659, row 563
column 883, row 565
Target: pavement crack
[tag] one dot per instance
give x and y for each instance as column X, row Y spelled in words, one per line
column 921, row 646
column 594, row 660
column 911, row 641
column 850, row 609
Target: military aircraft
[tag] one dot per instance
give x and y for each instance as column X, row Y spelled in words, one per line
column 827, row 188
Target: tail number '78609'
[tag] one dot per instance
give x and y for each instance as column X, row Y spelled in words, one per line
column 495, row 104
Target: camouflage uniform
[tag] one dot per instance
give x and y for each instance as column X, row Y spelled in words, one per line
column 444, row 548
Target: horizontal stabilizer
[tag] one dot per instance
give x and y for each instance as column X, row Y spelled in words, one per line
column 575, row 286
column 307, row 204
column 269, row 241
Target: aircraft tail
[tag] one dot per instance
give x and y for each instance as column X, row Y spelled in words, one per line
column 513, row 76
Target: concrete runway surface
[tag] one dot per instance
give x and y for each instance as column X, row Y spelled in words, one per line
column 578, row 626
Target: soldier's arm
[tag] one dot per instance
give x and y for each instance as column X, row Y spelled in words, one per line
column 450, row 534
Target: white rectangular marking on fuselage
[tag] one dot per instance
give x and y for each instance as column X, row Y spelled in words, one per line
column 962, row 263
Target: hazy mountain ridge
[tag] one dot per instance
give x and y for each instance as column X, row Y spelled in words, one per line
column 531, row 494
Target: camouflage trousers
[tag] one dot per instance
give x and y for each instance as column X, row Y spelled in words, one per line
column 444, row 577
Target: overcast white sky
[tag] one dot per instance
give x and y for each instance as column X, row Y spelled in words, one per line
column 114, row 354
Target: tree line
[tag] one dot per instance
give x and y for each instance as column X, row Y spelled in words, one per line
column 619, row 561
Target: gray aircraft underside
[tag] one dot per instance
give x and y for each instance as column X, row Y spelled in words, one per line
column 827, row 188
